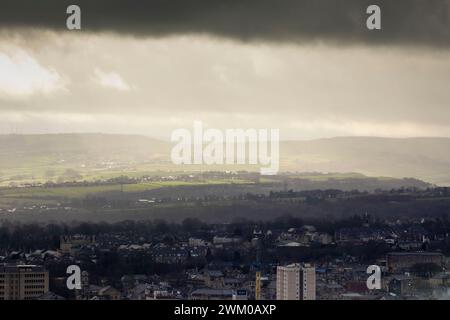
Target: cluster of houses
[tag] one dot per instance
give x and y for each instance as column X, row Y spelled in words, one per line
column 198, row 277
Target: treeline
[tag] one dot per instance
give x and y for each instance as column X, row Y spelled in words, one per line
column 32, row 236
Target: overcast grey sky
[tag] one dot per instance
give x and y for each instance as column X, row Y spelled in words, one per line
column 308, row 68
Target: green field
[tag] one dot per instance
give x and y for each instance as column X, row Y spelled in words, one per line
column 8, row 194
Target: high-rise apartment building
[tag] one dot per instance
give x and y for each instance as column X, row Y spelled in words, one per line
column 22, row 282
column 296, row 282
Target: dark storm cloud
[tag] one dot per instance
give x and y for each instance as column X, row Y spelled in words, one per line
column 414, row 22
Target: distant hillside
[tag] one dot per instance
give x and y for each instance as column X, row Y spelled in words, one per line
column 423, row 158
column 47, row 157
column 111, row 145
